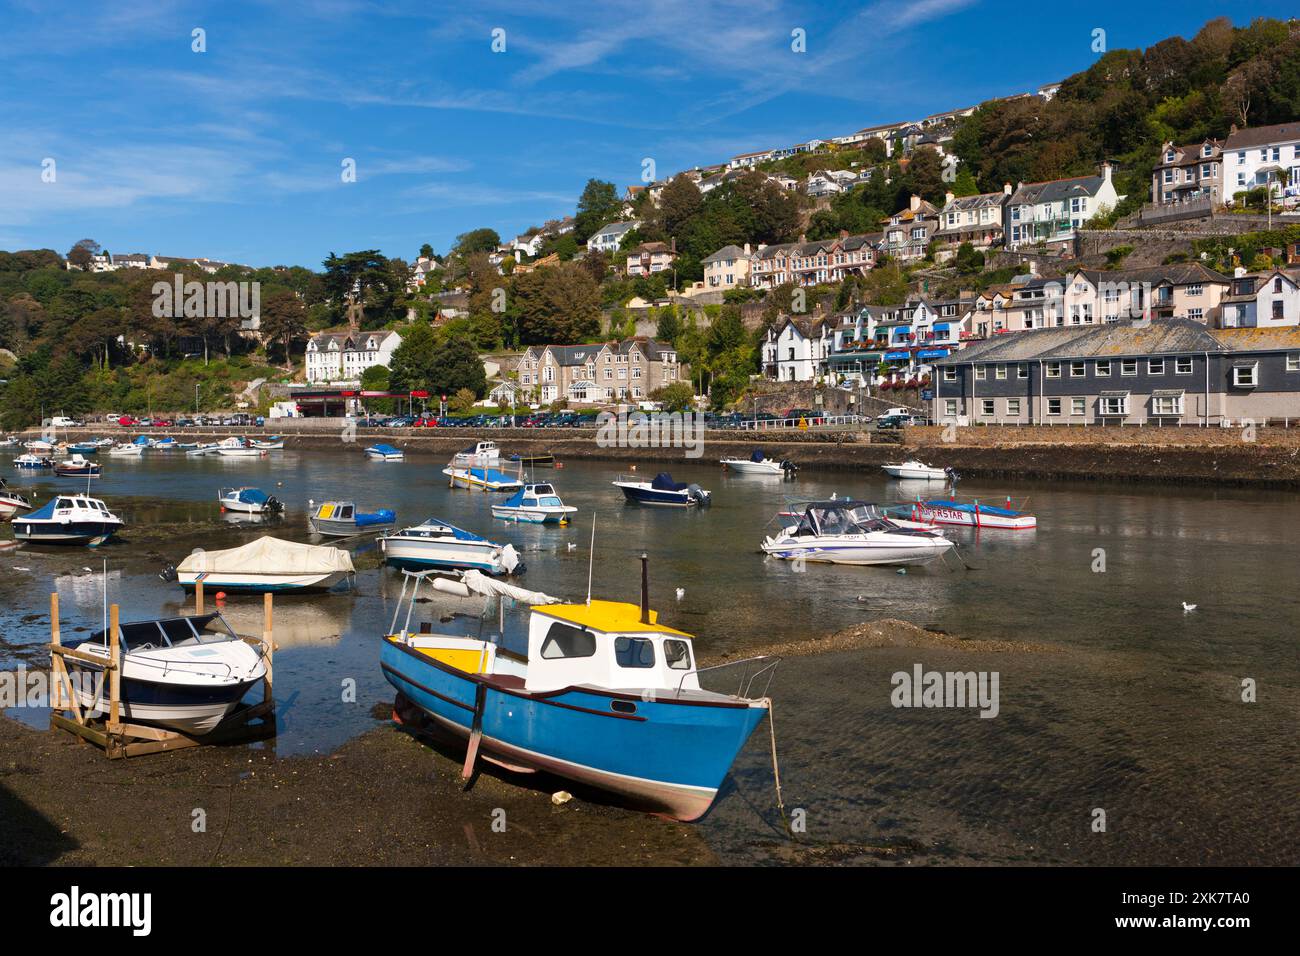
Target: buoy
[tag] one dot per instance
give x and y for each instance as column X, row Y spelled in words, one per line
column 221, row 595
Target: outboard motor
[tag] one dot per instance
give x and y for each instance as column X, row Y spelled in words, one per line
column 274, row 505
column 789, row 468
column 952, row 475
column 697, row 494
column 168, row 574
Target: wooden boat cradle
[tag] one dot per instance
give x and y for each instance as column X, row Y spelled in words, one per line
column 117, row 738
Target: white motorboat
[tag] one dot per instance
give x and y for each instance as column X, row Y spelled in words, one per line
column 535, row 504
column 900, row 515
column 267, row 564
column 917, row 470
column 186, row 673
column 252, row 501
column 436, row 544
column 9, row 442
column 11, row 502
column 837, row 532
column 68, row 519
column 662, row 491
column 384, row 452
column 126, row 451
column 479, row 453
column 759, row 464
column 39, row 446
column 238, row 448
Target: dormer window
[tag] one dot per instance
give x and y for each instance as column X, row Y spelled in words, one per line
column 1169, row 156
column 1207, row 150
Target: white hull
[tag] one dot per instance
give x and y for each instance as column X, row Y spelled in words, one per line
column 433, row 553
column 9, row 508
column 959, row 518
column 215, row 581
column 533, row 515
column 244, row 507
column 742, row 466
column 858, row 549
column 240, row 452
column 195, row 720
column 126, row 451
column 915, row 471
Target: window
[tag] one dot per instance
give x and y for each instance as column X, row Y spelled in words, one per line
column 1167, row 405
column 1077, row 369
column 1001, row 373
column 1114, row 404
column 1155, row 366
column 1053, row 406
column 986, row 406
column 1102, row 368
column 1128, row 367
column 1013, row 407
column 1022, row 370
column 564, row 641
column 950, row 407
column 1195, row 289
column 1053, row 369
column 634, row 652
column 1245, row 376
column 677, row 654
column 981, row 373
column 1078, row 406
column 1183, row 366
column 1293, row 362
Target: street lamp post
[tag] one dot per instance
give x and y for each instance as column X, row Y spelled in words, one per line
column 196, row 398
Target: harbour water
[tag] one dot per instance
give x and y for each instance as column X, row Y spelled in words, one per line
column 1131, row 705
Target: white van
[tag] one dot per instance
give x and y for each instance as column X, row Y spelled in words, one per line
column 897, row 411
column 62, row 421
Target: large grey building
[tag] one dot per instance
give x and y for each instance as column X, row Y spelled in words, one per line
column 1164, row 371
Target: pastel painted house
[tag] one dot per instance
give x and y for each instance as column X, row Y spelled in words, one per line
column 1051, row 213
column 1259, row 155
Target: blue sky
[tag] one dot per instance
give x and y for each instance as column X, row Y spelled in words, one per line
column 236, row 153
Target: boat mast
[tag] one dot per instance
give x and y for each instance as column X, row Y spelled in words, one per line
column 645, row 588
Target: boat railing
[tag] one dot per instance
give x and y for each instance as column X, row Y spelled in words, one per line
column 187, row 667
column 752, row 670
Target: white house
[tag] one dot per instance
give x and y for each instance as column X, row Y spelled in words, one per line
column 344, row 356
column 608, row 238
column 1254, row 157
column 1053, row 211
column 1261, row 300
column 796, row 350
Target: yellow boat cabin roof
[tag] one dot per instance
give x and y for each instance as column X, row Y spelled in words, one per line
column 607, row 616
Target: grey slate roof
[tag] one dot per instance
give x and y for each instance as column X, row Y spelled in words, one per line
column 1167, row 336
column 726, row 252
column 1263, row 135
column 1056, row 190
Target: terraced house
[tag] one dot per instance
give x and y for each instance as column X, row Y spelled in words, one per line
column 1090, row 297
column 600, row 373
column 1051, row 213
column 810, row 263
column 973, row 219
column 344, row 356
column 907, row 232
column 1168, row 372
column 1189, row 172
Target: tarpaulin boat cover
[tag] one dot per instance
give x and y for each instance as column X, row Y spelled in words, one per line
column 252, row 496
column 664, row 482
column 757, row 455
column 269, row 555
column 480, row 583
column 382, row 516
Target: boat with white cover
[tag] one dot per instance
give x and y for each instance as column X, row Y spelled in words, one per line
column 185, row 673
column 917, row 470
column 267, row 564
column 126, row 451
column 68, row 519
column 839, row 532
column 759, row 464
column 435, row 543
column 535, row 504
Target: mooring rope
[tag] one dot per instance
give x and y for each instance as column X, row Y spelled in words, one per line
column 776, row 767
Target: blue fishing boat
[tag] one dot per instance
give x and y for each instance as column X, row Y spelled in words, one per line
column 662, row 491
column 68, row 519
column 84, row 448
column 606, row 696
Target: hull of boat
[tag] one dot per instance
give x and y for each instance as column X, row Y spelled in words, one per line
column 240, row 452
column 62, row 472
column 742, row 467
column 418, row 555
column 9, row 507
column 343, row 529
column 662, row 754
column 970, row 516
column 651, row 496
column 485, row 478
column 380, row 456
column 261, row 583
column 846, row 550
column 196, row 711
column 533, row 515
column 93, row 533
column 915, row 474
column 533, row 461
column 246, row 507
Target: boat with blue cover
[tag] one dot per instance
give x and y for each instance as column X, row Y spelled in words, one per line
column 606, row 695
column 84, row 448
column 68, row 519
column 759, row 464
column 481, row 476
column 251, row 501
column 973, row 514
column 435, row 543
column 535, row 504
column 342, row 519
column 383, row 452
column 661, row 491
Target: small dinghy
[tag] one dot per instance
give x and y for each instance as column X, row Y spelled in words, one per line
column 759, row 464
column 437, row 544
column 917, row 471
column 84, row 448
column 382, row 452
column 11, row 502
column 270, row 443
column 185, row 673
column 201, row 449
column 77, row 467
column 33, row 462
column 68, row 519
column 252, row 501
column 661, row 491
column 341, row 519
column 535, row 504
column 845, row 532
column 267, row 564
column 126, row 451
column 973, row 514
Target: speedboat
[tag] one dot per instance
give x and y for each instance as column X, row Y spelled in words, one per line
column 436, row 544
column 917, row 470
column 837, row 532
column 973, row 514
column 270, row 443
column 341, row 519
column 479, row 453
column 238, row 448
column 11, row 502
column 126, row 451
column 759, row 464
column 606, row 696
column 382, row 452
column 661, row 491
column 77, row 467
column 68, row 519
column 481, row 476
column 186, row 673
column 536, row 504
column 267, row 564
column 896, row 514
column 33, row 462
column 252, row 501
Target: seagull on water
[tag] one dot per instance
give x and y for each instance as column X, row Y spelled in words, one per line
column 1188, row 608
column 681, row 593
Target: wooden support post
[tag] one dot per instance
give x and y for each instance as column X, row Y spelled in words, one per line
column 198, row 596
column 114, row 673
column 269, row 639
column 56, row 662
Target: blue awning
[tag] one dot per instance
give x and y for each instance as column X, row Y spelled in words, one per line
column 932, row 353
column 941, row 326
column 897, row 356
column 903, row 329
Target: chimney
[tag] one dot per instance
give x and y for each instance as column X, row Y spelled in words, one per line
column 948, row 197
column 1106, row 170
column 746, row 248
column 802, row 237
column 844, row 233
column 914, row 203
column 1006, row 189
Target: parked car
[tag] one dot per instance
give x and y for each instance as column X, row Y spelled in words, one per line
column 402, row 421
column 63, row 421
column 897, row 421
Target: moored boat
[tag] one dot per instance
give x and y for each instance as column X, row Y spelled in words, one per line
column 11, row 502
column 253, row 501
column 238, row 448
column 383, row 452
column 847, row 532
column 270, row 443
column 77, row 467
column 973, row 514
column 661, row 491
column 68, row 519
column 759, row 464
column 33, row 462
column 533, row 461
column 342, row 519
column 535, row 504
column 126, row 451
column 201, row 449
column 481, row 476
column 479, row 453
column 267, row 564
column 436, row 544
column 917, row 470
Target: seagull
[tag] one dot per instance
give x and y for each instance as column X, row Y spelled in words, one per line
column 681, row 593
column 572, row 546
column 1188, row 608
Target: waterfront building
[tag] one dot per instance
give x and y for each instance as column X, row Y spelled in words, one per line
column 599, row 373
column 344, row 356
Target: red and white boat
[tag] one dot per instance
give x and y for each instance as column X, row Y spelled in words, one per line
column 972, row 514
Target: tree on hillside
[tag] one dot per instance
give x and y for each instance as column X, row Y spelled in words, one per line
column 81, row 254
column 284, row 320
column 558, row 305
column 456, row 366
column 413, row 364
column 924, row 177
column 679, row 203
column 477, row 240
column 599, row 204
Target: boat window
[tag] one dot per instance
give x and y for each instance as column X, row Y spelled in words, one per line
column 550, row 501
column 177, row 630
column 564, row 641
column 634, row 652
column 63, row 503
column 345, row 511
column 678, row 655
